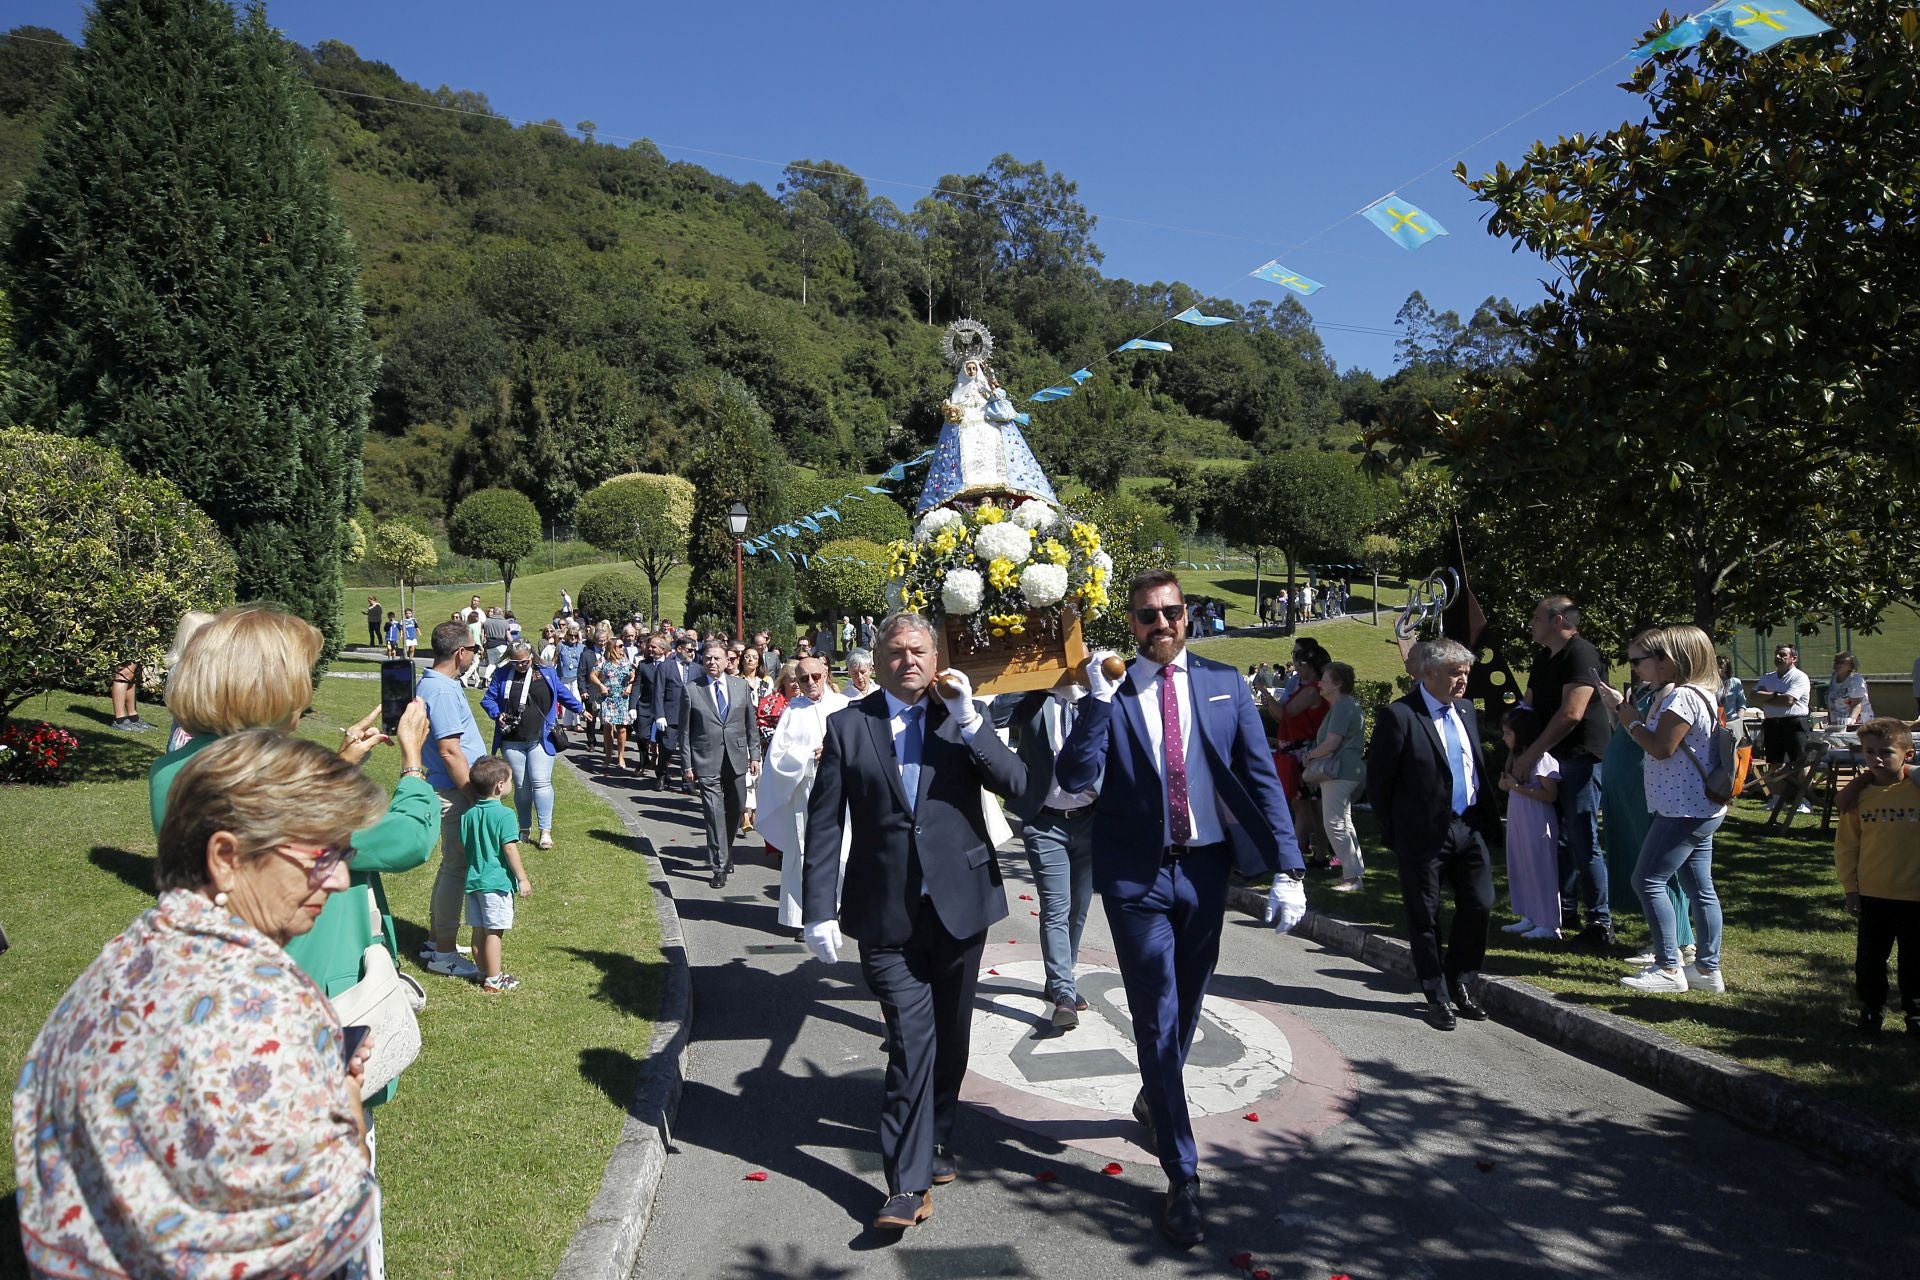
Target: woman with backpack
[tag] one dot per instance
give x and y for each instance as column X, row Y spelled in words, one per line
column 1687, row 771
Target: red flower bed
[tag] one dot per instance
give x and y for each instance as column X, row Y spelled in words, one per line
column 35, row 752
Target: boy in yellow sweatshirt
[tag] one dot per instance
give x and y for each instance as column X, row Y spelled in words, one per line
column 1876, row 852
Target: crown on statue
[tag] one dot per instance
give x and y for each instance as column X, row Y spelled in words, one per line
column 967, row 340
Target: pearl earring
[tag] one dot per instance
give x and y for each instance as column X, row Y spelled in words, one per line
column 220, row 898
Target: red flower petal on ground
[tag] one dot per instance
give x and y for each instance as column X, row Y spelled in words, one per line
column 1253, row 1116
column 1113, row 1167
column 1013, row 942
column 758, row 1175
column 1263, row 1274
column 1241, row 1260
column 1033, row 913
column 1026, row 897
column 1342, row 1276
column 993, row 973
column 1046, row 1175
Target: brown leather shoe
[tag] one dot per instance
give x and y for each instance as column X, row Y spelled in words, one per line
column 904, row 1210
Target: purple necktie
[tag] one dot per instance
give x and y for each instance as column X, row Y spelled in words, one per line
column 1182, row 820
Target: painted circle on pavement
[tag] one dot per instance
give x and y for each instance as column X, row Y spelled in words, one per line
column 1249, row 1057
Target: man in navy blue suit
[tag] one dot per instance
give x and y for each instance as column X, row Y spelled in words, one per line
column 1189, row 789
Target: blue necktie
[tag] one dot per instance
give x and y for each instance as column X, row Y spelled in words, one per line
column 1456, row 748
column 910, row 754
column 720, row 698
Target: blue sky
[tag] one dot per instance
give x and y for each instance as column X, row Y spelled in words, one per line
column 1240, row 128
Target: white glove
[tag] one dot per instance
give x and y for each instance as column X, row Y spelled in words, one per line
column 1097, row 683
column 660, row 723
column 1286, row 903
column 960, row 705
column 823, row 939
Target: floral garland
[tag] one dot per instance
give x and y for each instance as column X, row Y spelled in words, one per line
column 992, row 566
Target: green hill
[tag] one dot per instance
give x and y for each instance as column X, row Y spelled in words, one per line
column 503, row 262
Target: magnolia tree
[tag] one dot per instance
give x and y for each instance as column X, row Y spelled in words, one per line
column 642, row 518
column 96, row 566
column 404, row 552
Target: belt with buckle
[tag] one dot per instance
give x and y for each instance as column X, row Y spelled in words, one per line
column 1175, row 852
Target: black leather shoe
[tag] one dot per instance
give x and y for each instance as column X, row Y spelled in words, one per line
column 1180, row 1219
column 1438, row 1015
column 1463, row 1001
column 719, row 880
column 904, row 1210
column 1596, row 935
column 944, row 1169
column 1145, row 1117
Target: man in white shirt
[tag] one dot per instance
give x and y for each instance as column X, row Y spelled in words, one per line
column 1782, row 696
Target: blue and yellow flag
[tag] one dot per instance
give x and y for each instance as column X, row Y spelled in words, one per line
column 1764, row 24
column 1142, row 344
column 1405, row 223
column 1045, row 394
column 1274, row 273
column 1080, row 375
column 1192, row 316
column 1681, row 35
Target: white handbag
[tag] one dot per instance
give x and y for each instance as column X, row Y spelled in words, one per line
column 386, row 1002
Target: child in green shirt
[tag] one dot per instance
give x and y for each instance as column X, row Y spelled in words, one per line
column 491, row 835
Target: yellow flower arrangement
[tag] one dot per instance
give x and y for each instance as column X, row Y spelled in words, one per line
column 1008, row 623
column 988, row 513
column 1052, row 552
column 1084, row 536
column 1000, row 575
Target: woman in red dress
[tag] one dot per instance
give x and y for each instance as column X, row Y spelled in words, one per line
column 1296, row 720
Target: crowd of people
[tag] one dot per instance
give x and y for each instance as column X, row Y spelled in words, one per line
column 273, row 921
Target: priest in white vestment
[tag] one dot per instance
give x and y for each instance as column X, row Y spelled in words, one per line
column 786, row 780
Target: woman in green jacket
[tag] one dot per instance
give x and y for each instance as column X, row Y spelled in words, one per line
column 252, row 668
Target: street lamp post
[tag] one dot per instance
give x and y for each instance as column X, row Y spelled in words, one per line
column 737, row 526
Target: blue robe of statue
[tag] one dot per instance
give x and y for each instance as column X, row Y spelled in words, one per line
column 983, row 453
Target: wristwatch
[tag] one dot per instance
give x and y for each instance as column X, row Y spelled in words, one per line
column 1296, row 874
column 416, row 771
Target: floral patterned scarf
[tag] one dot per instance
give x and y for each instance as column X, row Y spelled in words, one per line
column 185, row 1112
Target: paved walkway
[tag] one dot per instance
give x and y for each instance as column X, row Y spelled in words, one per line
column 1381, row 1148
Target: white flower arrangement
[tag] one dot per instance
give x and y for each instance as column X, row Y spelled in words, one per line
column 962, row 591
column 935, row 520
column 1043, row 584
column 1103, row 562
column 1002, row 541
column 1035, row 515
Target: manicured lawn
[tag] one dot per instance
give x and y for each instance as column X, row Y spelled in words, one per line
column 1371, row 650
column 535, row 598
column 1787, row 955
column 496, row 1142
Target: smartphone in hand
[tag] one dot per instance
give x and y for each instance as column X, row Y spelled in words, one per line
column 356, row 1034
column 396, row 691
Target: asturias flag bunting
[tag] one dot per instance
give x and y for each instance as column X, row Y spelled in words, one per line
column 1763, row 25
column 1142, row 344
column 1274, row 273
column 1192, row 316
column 1405, row 223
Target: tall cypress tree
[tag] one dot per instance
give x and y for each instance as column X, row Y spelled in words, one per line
column 742, row 460
column 184, row 288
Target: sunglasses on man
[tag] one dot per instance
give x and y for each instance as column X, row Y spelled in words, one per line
column 1170, row 612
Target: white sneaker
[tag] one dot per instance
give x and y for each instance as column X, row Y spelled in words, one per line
column 453, row 966
column 1541, row 933
column 1687, row 954
column 1522, row 925
column 1803, row 807
column 1641, row 961
column 1653, row 978
column 1699, row 979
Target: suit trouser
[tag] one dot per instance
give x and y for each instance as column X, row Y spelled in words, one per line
column 1884, row 922
column 1462, row 862
column 925, row 988
column 1060, row 851
column 1167, row 942
column 723, row 796
column 450, row 881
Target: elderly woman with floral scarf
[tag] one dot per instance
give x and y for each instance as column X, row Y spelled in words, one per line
column 188, row 1110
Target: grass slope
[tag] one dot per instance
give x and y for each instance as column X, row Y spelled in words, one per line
column 495, row 1144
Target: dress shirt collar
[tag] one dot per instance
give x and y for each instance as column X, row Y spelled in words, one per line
column 1435, row 707
column 1142, row 663
column 896, row 706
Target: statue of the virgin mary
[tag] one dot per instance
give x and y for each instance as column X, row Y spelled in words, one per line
column 980, row 452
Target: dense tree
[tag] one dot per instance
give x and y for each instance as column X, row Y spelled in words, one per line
column 562, row 424
column 1312, row 506
column 97, row 564
column 847, row 576
column 1722, row 415
column 441, row 360
column 739, row 460
column 32, row 62
column 499, row 525
column 614, row 594
column 200, row 310
column 403, row 551
column 643, row 518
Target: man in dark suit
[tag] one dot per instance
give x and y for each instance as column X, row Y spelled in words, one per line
column 1189, row 788
column 1427, row 782
column 644, row 703
column 721, row 743
column 904, row 769
column 675, row 674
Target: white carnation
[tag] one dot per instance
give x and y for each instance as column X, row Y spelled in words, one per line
column 935, row 520
column 1043, row 584
column 1103, row 562
column 1035, row 515
column 1002, row 541
column 963, row 591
